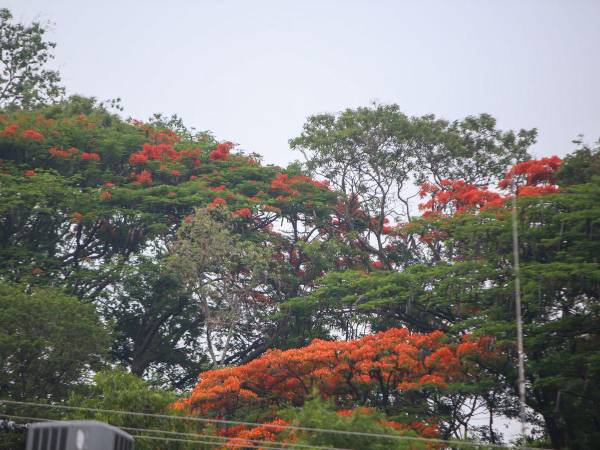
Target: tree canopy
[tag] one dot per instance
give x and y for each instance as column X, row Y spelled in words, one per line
column 368, row 288
column 24, row 79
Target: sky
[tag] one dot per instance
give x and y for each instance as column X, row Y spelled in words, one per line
column 253, row 71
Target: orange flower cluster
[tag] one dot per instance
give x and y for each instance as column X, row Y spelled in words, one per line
column 246, row 213
column 537, row 172
column 219, row 201
column 144, row 177
column 365, row 369
column 241, row 436
column 424, row 429
column 163, row 136
column 10, row 130
column 457, row 196
column 221, row 153
column 59, row 153
column 90, row 156
column 283, row 182
column 33, row 135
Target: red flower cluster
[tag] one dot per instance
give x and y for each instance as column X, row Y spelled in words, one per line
column 456, row 196
column 144, row 177
column 59, row 153
column 30, row 173
column 539, row 176
column 10, row 130
column 158, row 152
column 33, row 135
column 162, row 152
column 219, row 201
column 534, row 177
column 283, row 182
column 221, row 152
column 62, row 153
column 164, row 136
column 90, row 156
column 243, row 212
column 377, row 264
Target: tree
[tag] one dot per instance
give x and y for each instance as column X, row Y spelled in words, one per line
column 92, row 204
column 225, row 275
column 158, row 328
column 373, row 155
column 470, row 289
column 367, row 155
column 394, row 371
column 24, row 80
column 472, row 149
column 317, row 413
column 121, row 391
column 582, row 165
column 49, row 341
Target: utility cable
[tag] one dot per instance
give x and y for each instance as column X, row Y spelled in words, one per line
column 283, row 427
column 223, row 440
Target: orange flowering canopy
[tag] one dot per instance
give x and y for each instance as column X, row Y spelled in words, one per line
column 449, row 197
column 534, row 177
column 376, row 370
column 131, row 185
column 456, row 196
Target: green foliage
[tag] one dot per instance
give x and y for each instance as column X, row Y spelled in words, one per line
column 472, row 149
column 24, row 80
column 316, row 413
column 199, row 256
column 121, row 391
column 374, row 156
column 226, row 275
column 581, row 166
column 49, row 341
column 157, row 327
column 75, row 214
column 471, row 291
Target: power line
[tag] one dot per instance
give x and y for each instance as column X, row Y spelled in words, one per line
column 227, row 440
column 223, row 439
column 274, row 426
column 197, row 441
column 143, row 436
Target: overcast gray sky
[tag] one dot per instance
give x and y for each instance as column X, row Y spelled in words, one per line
column 252, row 71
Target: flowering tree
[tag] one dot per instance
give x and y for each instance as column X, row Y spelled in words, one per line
column 372, row 155
column 89, row 198
column 394, row 371
column 468, row 287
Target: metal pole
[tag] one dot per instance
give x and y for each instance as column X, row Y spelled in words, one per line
column 521, row 353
